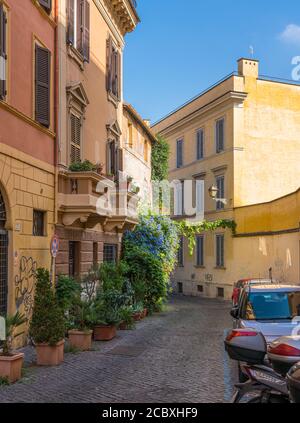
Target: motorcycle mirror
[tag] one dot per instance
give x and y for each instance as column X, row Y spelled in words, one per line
column 235, row 312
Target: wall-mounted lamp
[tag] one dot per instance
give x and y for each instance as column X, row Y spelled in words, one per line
column 213, row 192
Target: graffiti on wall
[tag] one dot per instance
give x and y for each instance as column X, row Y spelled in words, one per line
column 24, row 285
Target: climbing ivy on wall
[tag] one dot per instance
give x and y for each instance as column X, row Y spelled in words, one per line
column 160, row 159
column 190, row 230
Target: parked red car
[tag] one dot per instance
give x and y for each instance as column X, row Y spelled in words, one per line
column 239, row 285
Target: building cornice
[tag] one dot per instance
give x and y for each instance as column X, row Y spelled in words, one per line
column 227, row 98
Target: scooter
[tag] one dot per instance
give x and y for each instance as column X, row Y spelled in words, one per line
column 265, row 384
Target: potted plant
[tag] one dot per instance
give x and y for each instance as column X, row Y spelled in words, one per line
column 105, row 323
column 127, row 321
column 85, row 166
column 47, row 327
column 11, row 362
column 138, row 311
column 80, row 336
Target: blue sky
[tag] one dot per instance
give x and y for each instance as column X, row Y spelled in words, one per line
column 182, row 47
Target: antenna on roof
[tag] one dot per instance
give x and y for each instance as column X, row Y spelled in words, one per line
column 251, row 48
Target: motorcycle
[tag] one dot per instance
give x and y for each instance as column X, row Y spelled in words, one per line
column 265, row 384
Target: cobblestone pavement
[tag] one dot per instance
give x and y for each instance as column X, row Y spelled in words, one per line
column 176, row 356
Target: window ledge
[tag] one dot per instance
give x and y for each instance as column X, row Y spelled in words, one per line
column 43, row 12
column 220, row 268
column 76, row 56
column 199, row 267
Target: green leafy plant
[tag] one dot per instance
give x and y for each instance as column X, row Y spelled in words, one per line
column 81, row 315
column 48, row 322
column 126, row 316
column 67, row 290
column 11, row 323
column 85, row 166
column 138, row 307
column 160, row 159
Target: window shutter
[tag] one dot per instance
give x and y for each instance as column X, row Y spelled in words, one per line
column 218, row 250
column 200, row 198
column 200, row 251
column 222, row 250
column 47, row 4
column 200, row 144
column 42, row 85
column 178, row 194
column 71, row 19
column 109, row 65
column 220, row 135
column 75, row 139
column 3, row 56
column 80, row 26
column 86, row 31
column 179, row 153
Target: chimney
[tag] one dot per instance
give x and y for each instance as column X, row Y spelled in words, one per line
column 248, row 67
column 147, row 122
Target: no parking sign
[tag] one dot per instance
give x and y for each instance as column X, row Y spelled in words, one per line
column 54, row 246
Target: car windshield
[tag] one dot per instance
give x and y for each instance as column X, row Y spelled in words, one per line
column 273, row 306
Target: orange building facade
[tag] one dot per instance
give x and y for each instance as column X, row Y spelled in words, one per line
column 27, row 147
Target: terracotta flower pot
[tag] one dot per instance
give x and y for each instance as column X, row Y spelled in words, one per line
column 123, row 326
column 137, row 317
column 81, row 340
column 145, row 312
column 11, row 367
column 48, row 355
column 104, row 333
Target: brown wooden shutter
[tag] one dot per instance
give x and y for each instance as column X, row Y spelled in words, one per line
column 109, row 64
column 75, row 155
column 80, row 25
column 42, row 85
column 3, row 50
column 47, row 4
column 71, row 19
column 86, row 31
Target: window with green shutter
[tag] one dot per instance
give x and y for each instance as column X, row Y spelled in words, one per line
column 42, row 85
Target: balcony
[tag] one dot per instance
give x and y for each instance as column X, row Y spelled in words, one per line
column 125, row 14
column 89, row 199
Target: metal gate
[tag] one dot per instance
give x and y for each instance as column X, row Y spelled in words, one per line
column 3, row 271
column 3, row 258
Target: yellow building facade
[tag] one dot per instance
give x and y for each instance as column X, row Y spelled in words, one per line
column 241, row 138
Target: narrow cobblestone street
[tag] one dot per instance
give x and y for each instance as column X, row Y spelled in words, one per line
column 176, row 356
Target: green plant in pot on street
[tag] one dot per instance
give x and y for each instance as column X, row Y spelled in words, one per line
column 81, row 322
column 47, row 327
column 138, row 311
column 106, row 315
column 11, row 362
column 126, row 317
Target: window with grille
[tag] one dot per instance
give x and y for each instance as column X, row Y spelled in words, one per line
column 38, row 223
column 220, row 241
column 110, row 253
column 220, row 292
column 74, row 258
column 200, row 144
column 220, row 182
column 220, row 135
column 75, row 138
column 200, row 250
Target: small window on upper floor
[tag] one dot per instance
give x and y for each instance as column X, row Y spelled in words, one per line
column 78, row 34
column 3, row 52
column 179, row 153
column 200, row 144
column 47, row 5
column 75, row 138
column 220, row 135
